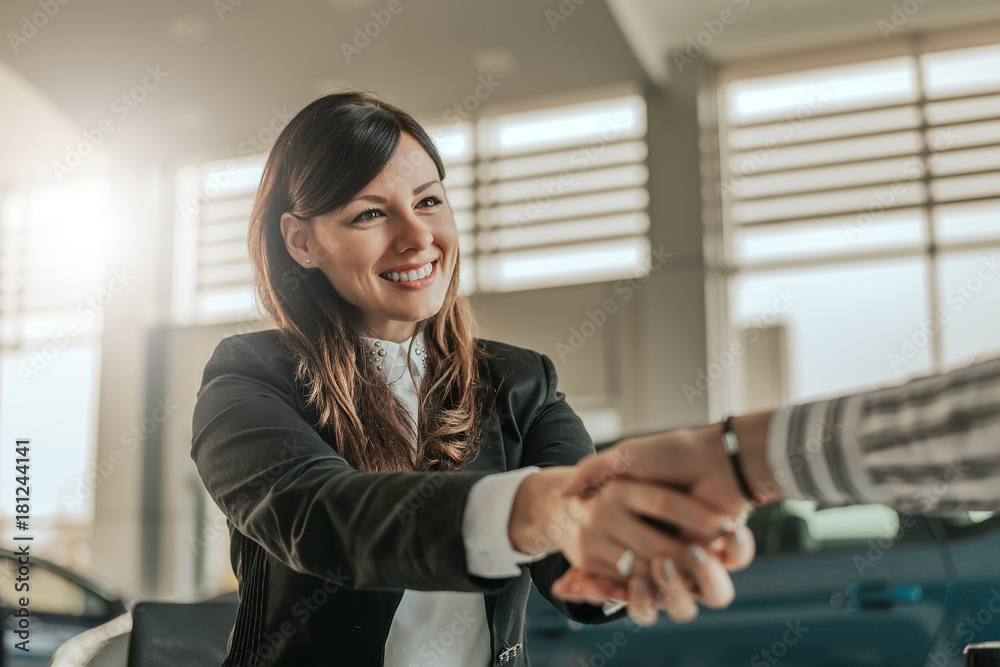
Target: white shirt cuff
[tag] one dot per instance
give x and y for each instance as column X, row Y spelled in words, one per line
column 488, row 551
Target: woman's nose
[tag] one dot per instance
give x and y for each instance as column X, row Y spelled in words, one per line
column 412, row 233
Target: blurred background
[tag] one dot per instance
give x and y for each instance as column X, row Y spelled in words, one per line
column 693, row 208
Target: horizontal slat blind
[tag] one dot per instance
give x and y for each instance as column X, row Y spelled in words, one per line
column 858, row 157
column 562, row 195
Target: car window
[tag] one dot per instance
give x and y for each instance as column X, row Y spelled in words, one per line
column 50, row 592
column 969, row 523
column 797, row 526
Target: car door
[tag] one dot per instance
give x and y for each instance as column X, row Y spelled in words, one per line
column 842, row 587
column 59, row 608
column 973, row 555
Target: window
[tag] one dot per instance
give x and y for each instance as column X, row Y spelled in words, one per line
column 797, row 526
column 542, row 198
column 54, row 287
column 859, row 205
column 211, row 266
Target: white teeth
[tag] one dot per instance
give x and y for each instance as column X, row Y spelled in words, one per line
column 413, row 274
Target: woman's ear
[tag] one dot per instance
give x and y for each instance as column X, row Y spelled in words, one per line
column 298, row 240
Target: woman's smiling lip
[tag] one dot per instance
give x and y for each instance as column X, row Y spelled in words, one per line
column 414, row 284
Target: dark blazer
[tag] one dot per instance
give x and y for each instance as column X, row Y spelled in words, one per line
column 322, row 552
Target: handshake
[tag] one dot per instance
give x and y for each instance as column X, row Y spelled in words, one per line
column 655, row 521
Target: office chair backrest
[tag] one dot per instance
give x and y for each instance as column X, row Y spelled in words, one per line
column 169, row 634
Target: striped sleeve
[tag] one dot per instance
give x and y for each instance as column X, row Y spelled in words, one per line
column 932, row 444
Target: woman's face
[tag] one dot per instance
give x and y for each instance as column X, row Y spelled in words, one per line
column 392, row 250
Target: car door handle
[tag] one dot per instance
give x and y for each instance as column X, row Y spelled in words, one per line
column 879, row 596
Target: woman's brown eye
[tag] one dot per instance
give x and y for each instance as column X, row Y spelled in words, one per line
column 363, row 216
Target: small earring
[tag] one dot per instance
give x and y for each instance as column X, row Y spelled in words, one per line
column 308, row 261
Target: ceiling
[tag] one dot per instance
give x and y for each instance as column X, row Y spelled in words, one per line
column 657, row 28
column 229, row 68
column 230, row 64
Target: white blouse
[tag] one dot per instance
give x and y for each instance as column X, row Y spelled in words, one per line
column 448, row 628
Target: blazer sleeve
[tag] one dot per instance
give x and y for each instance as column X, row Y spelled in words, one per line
column 556, row 436
column 283, row 486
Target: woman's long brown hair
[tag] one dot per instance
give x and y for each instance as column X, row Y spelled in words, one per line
column 328, row 153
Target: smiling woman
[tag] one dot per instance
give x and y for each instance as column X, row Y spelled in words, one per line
column 356, row 191
column 371, row 446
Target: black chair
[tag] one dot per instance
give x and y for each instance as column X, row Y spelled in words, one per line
column 169, row 634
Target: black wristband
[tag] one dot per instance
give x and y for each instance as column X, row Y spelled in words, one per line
column 732, row 445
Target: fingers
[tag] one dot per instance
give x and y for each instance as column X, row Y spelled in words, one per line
column 712, row 583
column 675, row 585
column 737, row 550
column 616, row 519
column 641, row 601
column 673, row 595
column 672, row 507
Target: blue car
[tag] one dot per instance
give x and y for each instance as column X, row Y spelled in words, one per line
column 61, row 604
column 840, row 587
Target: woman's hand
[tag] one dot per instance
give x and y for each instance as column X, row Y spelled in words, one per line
column 674, row 585
column 624, row 514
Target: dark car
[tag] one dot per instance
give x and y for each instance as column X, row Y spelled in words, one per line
column 61, row 604
column 841, row 587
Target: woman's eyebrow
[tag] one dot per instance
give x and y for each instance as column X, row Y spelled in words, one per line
column 381, row 200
